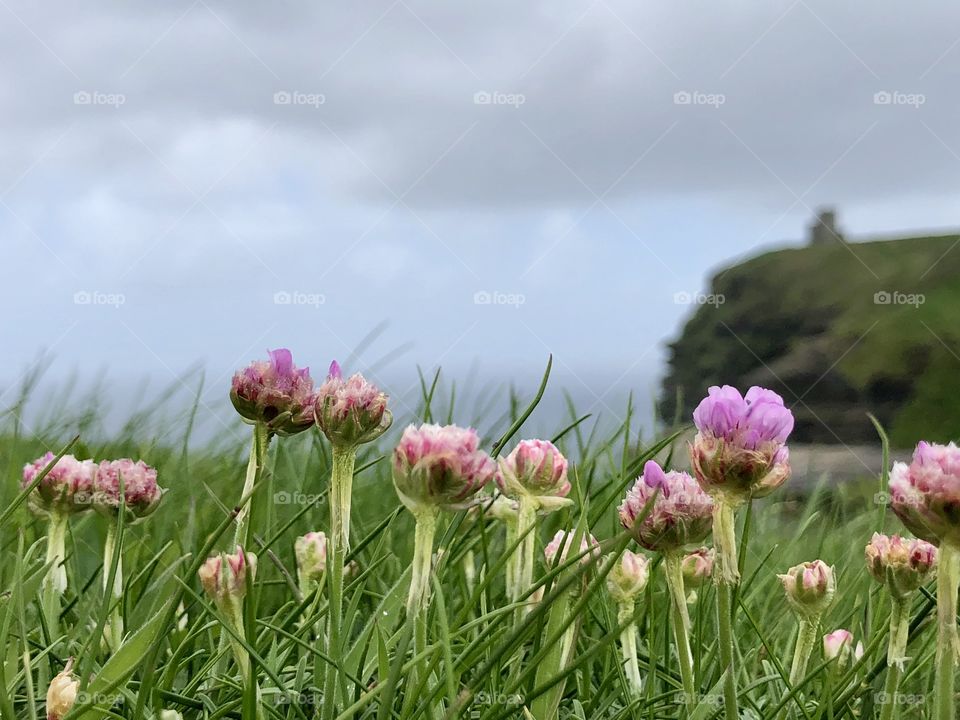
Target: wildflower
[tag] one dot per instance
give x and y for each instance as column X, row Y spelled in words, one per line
column 809, row 587
column 62, row 693
column 226, row 577
column 538, row 470
column 902, row 564
column 628, row 577
column 925, row 494
column 681, row 513
column 141, row 494
column 352, row 411
column 697, row 566
column 311, row 554
column 275, row 393
column 66, row 488
column 838, row 646
column 560, row 545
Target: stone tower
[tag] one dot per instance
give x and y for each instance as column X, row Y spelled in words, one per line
column 824, row 230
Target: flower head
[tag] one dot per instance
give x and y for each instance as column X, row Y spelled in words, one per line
column 681, row 514
column 226, row 578
column 352, row 411
column 561, row 543
column 440, row 466
column 740, row 446
column 697, row 566
column 628, row 577
column 275, row 392
column 810, row 587
column 62, row 693
column 925, row 494
column 141, row 494
column 65, row 489
column 838, row 645
column 902, row 564
column 537, row 469
column 311, row 554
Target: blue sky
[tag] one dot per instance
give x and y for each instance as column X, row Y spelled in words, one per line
column 197, row 182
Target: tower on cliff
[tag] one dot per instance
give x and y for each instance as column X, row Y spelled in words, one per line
column 823, row 230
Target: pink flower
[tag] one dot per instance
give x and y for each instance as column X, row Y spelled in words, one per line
column 535, row 468
column 900, row 563
column 351, row 412
column 67, row 488
column 275, row 392
column 839, row 645
column 311, row 554
column 681, row 515
column 440, row 466
column 561, row 544
column 140, row 490
column 810, row 587
column 925, row 494
column 697, row 566
column 628, row 577
column 740, row 446
column 225, row 577
column 62, row 693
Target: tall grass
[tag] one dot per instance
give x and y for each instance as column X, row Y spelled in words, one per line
column 482, row 659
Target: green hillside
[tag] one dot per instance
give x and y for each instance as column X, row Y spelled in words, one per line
column 809, row 323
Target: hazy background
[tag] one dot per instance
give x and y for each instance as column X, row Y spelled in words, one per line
column 194, row 182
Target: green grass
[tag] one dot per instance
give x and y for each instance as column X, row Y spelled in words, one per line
column 480, row 662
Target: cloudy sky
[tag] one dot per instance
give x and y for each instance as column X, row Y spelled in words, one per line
column 480, row 184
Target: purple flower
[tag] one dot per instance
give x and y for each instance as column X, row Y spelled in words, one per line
column 440, row 466
column 681, row 514
column 537, row 469
column 697, row 566
column 67, row 488
column 925, row 494
column 810, row 587
column 352, row 411
column 275, row 392
column 739, row 448
column 141, row 493
column 839, row 645
column 900, row 563
column 226, row 577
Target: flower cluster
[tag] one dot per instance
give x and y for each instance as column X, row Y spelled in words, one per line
column 275, row 393
column 535, row 469
column 925, row 494
column 810, row 587
column 902, row 564
column 838, row 646
column 226, row 577
column 559, row 547
column 352, row 411
column 628, row 577
column 141, row 494
column 697, row 566
column 65, row 489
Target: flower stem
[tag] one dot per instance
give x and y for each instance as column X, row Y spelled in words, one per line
column 55, row 581
column 258, row 456
column 115, row 629
column 526, row 528
column 513, row 562
column 948, row 578
column 681, row 626
column 806, row 641
column 628, row 645
column 419, row 596
column 726, row 577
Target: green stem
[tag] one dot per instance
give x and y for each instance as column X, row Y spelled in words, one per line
column 115, row 628
column 896, row 655
column 55, row 581
column 628, row 644
column 513, row 562
column 258, row 456
column 681, row 626
column 341, row 482
column 806, row 642
column 419, row 596
column 726, row 577
column 526, row 528
column 948, row 578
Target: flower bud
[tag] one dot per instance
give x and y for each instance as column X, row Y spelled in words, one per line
column 438, row 466
column 681, row 514
column 535, row 469
column 351, row 412
column 311, row 554
column 902, row 564
column 170, row 715
column 810, row 587
column 225, row 578
column 925, row 494
column 276, row 393
column 838, row 646
column 67, row 488
column 141, row 494
column 62, row 693
column 628, row 577
column 561, row 544
column 697, row 566
column 739, row 449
